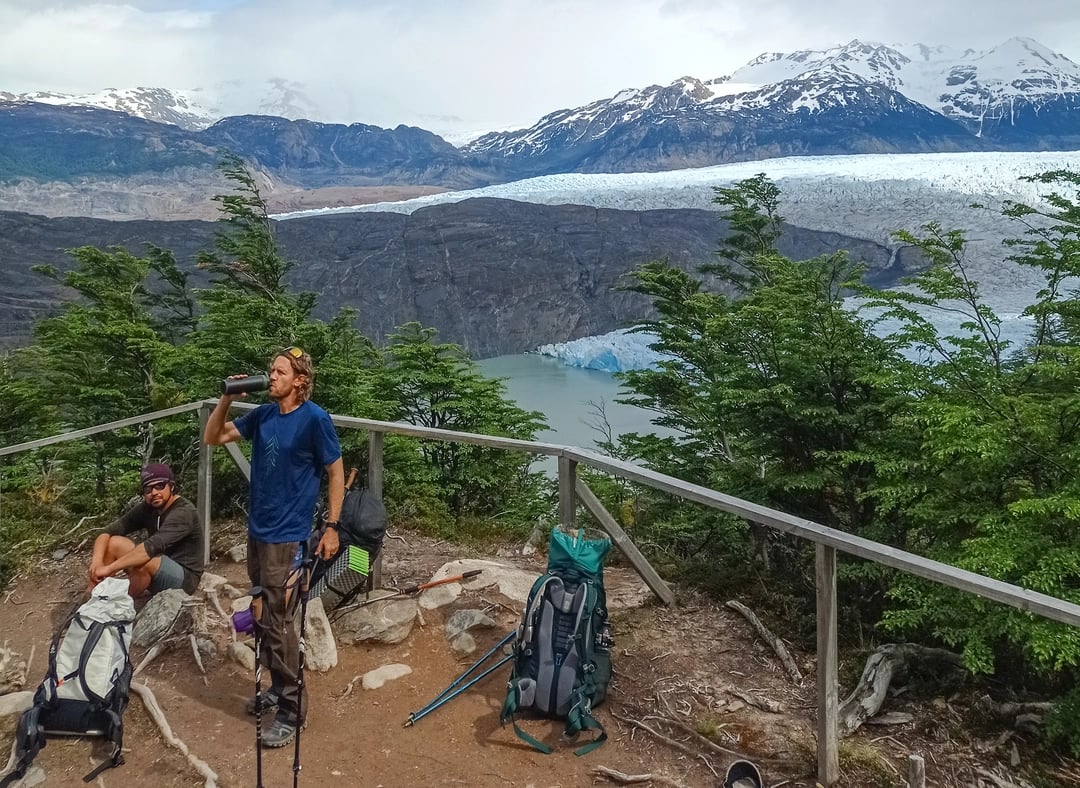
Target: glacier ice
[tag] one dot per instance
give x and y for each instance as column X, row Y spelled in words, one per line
column 619, row 351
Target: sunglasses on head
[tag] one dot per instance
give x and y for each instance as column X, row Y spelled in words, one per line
column 295, row 352
column 155, row 487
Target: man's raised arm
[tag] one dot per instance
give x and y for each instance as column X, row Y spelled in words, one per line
column 218, row 430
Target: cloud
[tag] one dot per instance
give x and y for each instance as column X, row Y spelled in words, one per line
column 485, row 62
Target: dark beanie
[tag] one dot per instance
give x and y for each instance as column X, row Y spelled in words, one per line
column 156, row 472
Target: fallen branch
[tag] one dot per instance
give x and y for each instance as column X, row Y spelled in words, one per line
column 666, row 739
column 626, row 779
column 887, row 661
column 158, row 716
column 777, row 645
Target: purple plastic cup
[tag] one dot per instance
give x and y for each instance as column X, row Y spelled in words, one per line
column 243, row 621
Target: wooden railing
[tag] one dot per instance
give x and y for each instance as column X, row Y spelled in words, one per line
column 573, row 491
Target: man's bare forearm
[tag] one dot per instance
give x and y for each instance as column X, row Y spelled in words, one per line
column 215, row 433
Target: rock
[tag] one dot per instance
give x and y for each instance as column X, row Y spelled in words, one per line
column 463, row 644
column 164, row 614
column 388, row 621
column 61, row 554
column 207, row 648
column 511, row 582
column 535, row 540
column 242, row 655
column 464, row 620
column 321, row 649
column 374, row 679
column 439, row 596
column 210, row 581
column 238, row 553
column 12, row 705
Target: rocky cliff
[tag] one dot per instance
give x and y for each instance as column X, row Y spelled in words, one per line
column 495, row 276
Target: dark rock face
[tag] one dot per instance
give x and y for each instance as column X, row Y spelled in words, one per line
column 495, row 276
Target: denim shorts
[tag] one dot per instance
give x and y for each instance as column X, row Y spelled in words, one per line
column 169, row 575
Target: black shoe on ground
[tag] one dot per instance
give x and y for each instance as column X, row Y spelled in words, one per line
column 269, row 703
column 280, row 733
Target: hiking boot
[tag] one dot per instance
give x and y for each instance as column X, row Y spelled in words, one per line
column 269, row 703
column 280, row 733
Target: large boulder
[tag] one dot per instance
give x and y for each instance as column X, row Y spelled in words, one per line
column 388, row 621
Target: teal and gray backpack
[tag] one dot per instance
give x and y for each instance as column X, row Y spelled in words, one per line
column 562, row 652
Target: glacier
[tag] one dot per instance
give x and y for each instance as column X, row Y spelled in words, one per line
column 623, row 350
column 867, row 196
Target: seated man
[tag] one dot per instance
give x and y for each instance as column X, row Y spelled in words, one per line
column 171, row 556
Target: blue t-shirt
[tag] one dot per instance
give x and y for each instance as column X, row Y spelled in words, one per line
column 288, row 455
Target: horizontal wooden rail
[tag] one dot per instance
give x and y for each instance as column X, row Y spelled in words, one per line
column 63, row 437
column 1031, row 601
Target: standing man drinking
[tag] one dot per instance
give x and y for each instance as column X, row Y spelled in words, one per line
column 293, row 442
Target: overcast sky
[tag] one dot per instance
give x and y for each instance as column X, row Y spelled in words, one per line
column 460, row 63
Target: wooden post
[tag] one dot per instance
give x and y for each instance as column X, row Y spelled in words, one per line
column 375, row 487
column 567, row 493
column 204, row 481
column 916, row 772
column 828, row 751
column 624, row 543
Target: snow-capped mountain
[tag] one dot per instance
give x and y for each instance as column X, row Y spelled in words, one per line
column 973, row 87
column 194, row 109
column 864, row 97
column 162, row 105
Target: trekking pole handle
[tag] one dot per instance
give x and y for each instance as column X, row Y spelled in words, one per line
column 433, row 583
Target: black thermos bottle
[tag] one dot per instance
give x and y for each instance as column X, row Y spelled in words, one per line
column 246, row 385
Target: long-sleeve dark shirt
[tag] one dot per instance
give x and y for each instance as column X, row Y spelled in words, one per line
column 177, row 532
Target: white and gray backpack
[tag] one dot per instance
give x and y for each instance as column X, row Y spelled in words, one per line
column 86, row 688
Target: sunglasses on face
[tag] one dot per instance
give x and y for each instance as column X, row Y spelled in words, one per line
column 155, row 487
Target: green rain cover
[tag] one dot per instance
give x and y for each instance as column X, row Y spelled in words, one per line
column 577, row 554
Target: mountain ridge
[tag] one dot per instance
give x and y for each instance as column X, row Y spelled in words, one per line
column 859, row 97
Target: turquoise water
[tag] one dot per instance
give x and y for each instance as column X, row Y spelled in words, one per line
column 563, row 393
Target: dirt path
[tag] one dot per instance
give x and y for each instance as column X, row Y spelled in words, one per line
column 682, row 663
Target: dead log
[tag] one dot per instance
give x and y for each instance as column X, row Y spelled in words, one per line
column 888, row 661
column 774, row 642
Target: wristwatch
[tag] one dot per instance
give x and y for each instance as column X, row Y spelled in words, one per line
column 335, row 524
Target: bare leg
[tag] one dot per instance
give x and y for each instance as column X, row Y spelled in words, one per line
column 139, row 577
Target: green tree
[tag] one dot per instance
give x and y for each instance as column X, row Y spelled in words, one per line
column 437, row 385
column 993, row 488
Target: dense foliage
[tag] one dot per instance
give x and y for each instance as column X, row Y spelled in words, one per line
column 137, row 338
column 959, row 447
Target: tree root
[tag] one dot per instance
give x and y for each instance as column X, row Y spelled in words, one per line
column 154, row 710
column 774, row 642
column 890, row 660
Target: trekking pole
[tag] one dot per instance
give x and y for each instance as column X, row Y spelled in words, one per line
column 257, row 593
column 416, row 716
column 423, row 709
column 306, row 568
column 406, row 591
